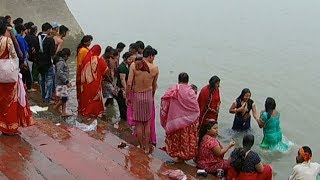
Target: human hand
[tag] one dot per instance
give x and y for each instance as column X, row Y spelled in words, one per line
column 232, row 143
column 128, row 102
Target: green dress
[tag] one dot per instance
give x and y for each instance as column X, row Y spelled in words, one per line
column 272, row 135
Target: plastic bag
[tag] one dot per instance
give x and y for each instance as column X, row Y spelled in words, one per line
column 87, row 128
column 176, row 174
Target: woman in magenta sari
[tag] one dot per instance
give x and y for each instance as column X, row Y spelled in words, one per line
column 93, row 69
column 179, row 115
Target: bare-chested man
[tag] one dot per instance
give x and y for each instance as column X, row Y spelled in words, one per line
column 59, row 38
column 142, row 81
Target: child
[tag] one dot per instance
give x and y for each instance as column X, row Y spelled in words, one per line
column 62, row 79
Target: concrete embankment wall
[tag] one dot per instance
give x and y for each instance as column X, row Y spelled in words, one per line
column 40, row 11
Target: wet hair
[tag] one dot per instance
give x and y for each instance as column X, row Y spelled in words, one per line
column 85, row 39
column 63, row 29
column 20, row 28
column 61, row 54
column 212, row 83
column 149, row 51
column 243, row 93
column 7, row 17
column 134, row 46
column 270, row 105
column 120, row 45
column 114, row 52
column 140, row 44
column 126, row 55
column 28, row 25
column 3, row 27
column 194, row 87
column 18, row 21
column 33, row 30
column 239, row 154
column 46, row 26
column 183, row 78
column 206, row 128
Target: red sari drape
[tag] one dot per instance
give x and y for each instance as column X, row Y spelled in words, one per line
column 203, row 100
column 93, row 69
column 12, row 114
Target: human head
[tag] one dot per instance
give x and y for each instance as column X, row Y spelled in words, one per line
column 304, row 154
column 128, row 57
column 134, row 48
column 214, row 83
column 33, row 30
column 96, row 50
column 18, row 21
column 183, row 78
column 20, row 28
column 211, row 128
column 8, row 19
column 149, row 53
column 247, row 141
column 85, row 42
column 270, row 105
column 120, row 46
column 65, row 53
column 46, row 27
column 195, row 88
column 140, row 45
column 114, row 54
column 63, row 30
column 108, row 52
column 28, row 26
column 3, row 28
column 245, row 95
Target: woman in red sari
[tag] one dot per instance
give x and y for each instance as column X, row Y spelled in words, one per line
column 209, row 101
column 93, row 69
column 82, row 51
column 14, row 107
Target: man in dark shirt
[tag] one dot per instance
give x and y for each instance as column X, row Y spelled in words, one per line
column 46, row 51
column 32, row 41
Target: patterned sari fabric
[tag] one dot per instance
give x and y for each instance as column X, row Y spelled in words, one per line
column 15, row 110
column 179, row 117
column 93, row 69
column 206, row 159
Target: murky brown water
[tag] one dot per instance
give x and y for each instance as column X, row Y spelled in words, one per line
column 268, row 46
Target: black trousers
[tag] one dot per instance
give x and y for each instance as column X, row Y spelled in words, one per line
column 122, row 105
column 26, row 77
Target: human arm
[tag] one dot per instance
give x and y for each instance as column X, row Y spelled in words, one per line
column 60, row 66
column 218, row 151
column 59, row 47
column 123, row 82
column 262, row 119
column 254, row 112
column 154, row 83
column 233, row 108
column 259, row 167
column 130, row 79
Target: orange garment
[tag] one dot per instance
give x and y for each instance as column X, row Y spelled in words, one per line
column 93, row 69
column 80, row 56
column 12, row 114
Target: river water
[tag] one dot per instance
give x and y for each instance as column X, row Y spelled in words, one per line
column 268, row 46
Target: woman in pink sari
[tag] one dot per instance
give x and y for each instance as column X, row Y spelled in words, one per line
column 14, row 106
column 179, row 115
column 93, row 69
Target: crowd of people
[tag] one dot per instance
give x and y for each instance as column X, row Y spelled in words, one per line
column 190, row 119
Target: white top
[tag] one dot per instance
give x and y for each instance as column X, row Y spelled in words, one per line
column 305, row 171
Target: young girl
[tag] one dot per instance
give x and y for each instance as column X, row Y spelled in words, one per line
column 62, row 79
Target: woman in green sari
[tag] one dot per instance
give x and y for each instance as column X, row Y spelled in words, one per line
column 270, row 122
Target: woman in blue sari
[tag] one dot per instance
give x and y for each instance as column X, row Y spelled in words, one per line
column 270, row 122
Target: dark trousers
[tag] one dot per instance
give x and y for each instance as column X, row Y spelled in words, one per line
column 26, row 77
column 122, row 105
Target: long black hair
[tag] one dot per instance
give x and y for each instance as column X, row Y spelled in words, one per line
column 206, row 128
column 269, row 106
column 85, row 39
column 212, row 83
column 243, row 93
column 239, row 154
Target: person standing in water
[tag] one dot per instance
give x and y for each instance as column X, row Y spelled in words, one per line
column 242, row 108
column 270, row 122
column 143, row 76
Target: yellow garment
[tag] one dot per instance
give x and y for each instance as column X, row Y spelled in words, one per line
column 81, row 55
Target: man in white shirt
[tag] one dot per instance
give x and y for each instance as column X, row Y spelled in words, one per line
column 305, row 169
